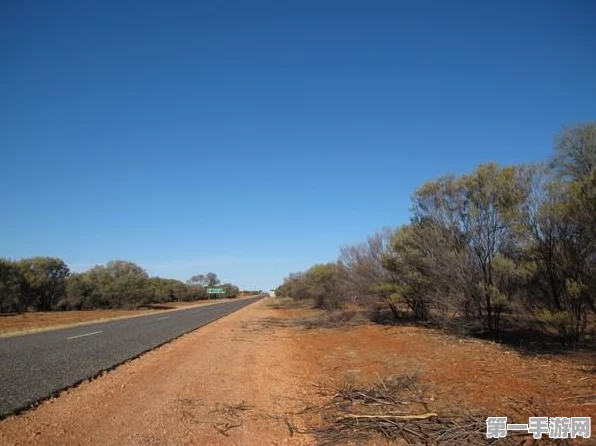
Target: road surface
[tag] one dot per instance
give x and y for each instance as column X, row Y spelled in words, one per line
column 36, row 366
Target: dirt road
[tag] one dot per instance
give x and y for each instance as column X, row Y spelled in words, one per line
column 244, row 379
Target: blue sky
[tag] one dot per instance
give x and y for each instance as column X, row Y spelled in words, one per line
column 255, row 138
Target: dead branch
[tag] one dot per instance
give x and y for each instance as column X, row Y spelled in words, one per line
column 355, row 415
column 223, row 428
column 423, row 416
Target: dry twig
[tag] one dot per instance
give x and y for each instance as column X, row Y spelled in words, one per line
column 354, row 415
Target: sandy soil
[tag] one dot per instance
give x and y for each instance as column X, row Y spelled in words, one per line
column 40, row 320
column 238, row 380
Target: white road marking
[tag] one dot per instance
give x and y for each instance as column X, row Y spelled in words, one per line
column 86, row 334
column 162, row 318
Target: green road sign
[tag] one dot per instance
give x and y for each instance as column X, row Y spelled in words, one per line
column 216, row 291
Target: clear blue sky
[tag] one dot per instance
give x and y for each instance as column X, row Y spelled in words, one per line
column 254, row 138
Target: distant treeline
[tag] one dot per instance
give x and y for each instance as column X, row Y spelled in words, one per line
column 46, row 283
column 498, row 245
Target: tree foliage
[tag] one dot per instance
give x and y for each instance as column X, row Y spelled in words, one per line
column 204, row 280
column 45, row 284
column 321, row 283
column 12, row 287
column 493, row 243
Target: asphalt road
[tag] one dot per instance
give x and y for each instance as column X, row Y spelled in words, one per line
column 36, row 366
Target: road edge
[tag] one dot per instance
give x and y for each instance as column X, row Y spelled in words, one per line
column 116, row 318
column 35, row 404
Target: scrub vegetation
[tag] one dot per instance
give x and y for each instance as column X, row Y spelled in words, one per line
column 507, row 252
column 47, row 284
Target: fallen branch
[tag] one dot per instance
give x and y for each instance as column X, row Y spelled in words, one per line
column 223, row 428
column 577, row 397
column 355, row 415
column 423, row 416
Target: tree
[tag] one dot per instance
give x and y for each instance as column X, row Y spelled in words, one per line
column 493, row 196
column 84, row 292
column 294, row 286
column 462, row 232
column 123, row 269
column 428, row 272
column 324, row 286
column 572, row 266
column 45, row 281
column 212, row 279
column 231, row 290
column 198, row 280
column 485, row 244
column 120, row 284
column 321, row 283
column 575, row 151
column 204, row 280
column 11, row 287
column 363, row 270
column 169, row 290
column 560, row 222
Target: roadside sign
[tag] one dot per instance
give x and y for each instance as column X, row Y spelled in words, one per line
column 216, row 291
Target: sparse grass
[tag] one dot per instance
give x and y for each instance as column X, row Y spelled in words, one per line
column 522, row 333
column 287, row 303
column 333, row 319
column 264, row 324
